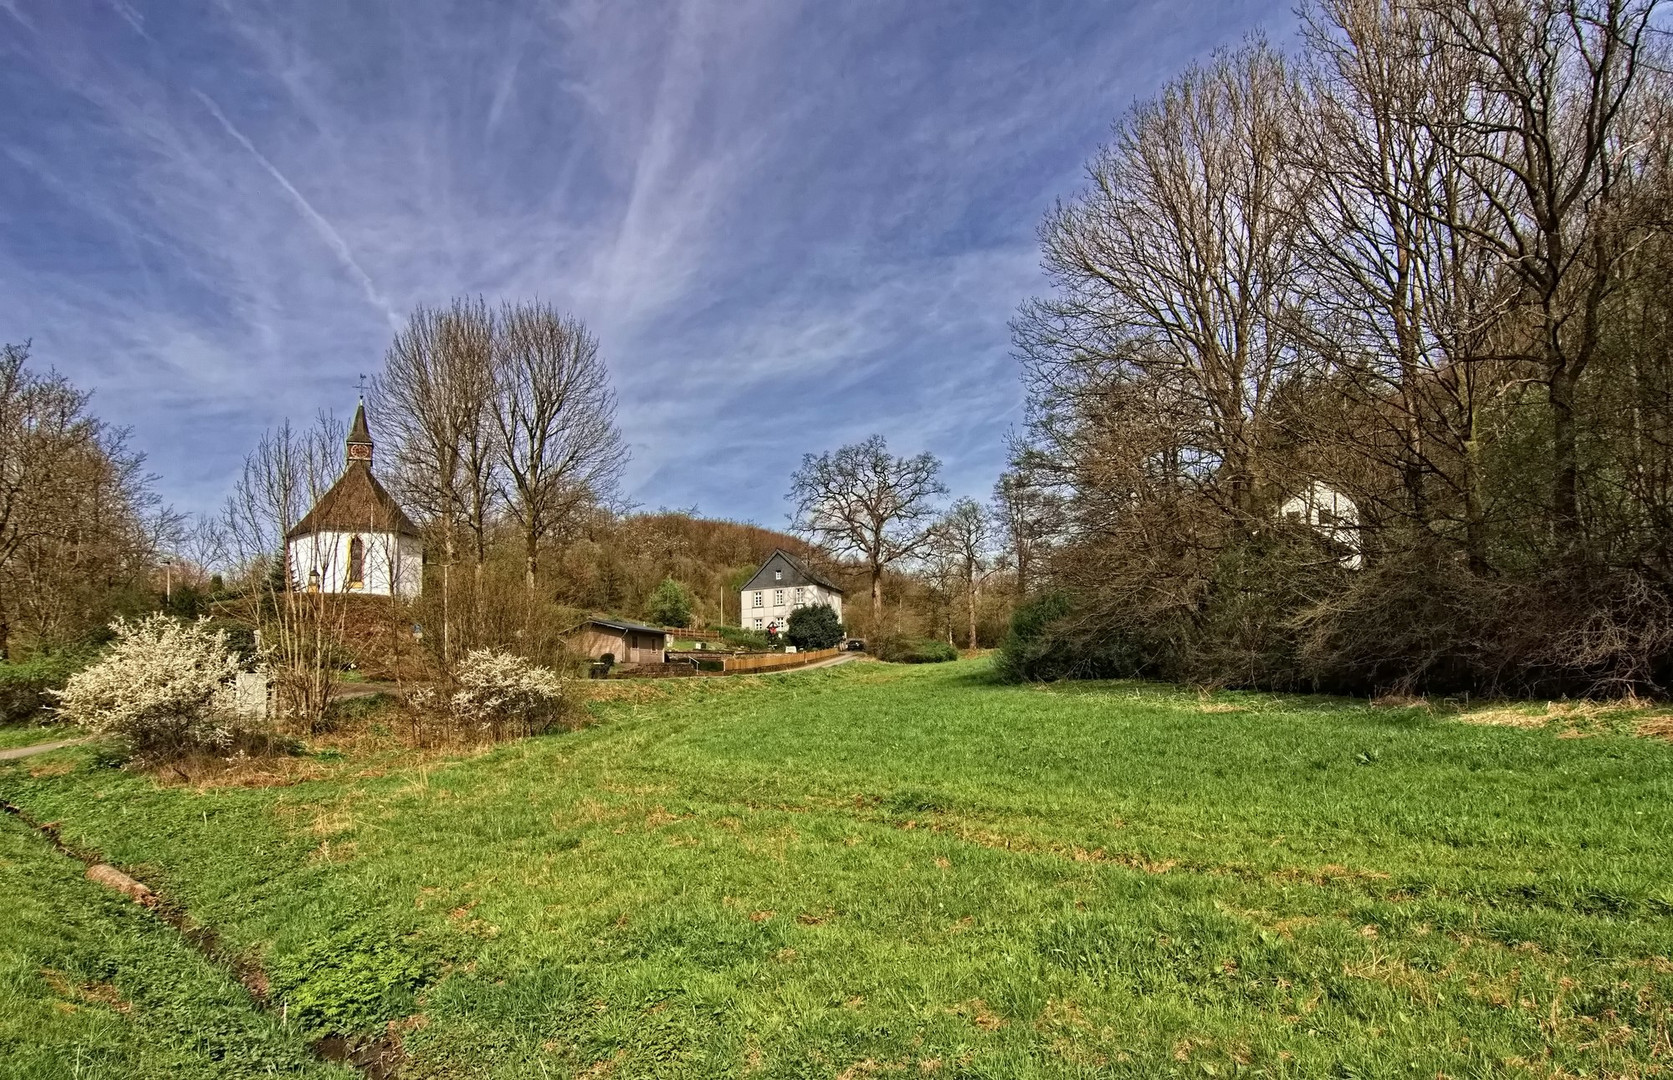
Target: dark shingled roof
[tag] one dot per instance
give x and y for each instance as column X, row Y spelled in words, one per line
column 797, row 567
column 355, row 503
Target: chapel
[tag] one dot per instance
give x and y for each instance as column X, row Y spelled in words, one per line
column 357, row 539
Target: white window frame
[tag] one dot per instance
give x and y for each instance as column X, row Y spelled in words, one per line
column 759, row 623
column 778, row 598
column 801, row 595
column 758, row 599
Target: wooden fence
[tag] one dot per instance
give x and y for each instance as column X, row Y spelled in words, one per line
column 692, row 635
column 741, row 663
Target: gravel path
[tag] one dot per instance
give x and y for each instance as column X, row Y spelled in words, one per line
column 38, row 748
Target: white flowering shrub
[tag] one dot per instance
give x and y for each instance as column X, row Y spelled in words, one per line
column 502, row 695
column 164, row 687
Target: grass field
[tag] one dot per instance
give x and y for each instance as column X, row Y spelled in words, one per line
column 883, row 871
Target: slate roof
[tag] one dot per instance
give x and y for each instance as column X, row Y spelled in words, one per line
column 797, row 567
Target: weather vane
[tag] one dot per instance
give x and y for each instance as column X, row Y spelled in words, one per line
column 362, row 384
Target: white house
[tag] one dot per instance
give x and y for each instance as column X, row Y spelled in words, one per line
column 1331, row 513
column 357, row 539
column 782, row 585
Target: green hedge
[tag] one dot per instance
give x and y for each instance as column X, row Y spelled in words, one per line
column 915, row 651
column 25, row 688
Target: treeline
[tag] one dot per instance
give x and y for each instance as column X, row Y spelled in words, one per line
column 616, row 561
column 80, row 526
column 1356, row 371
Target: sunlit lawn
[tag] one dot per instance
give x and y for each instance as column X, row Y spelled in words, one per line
column 875, row 870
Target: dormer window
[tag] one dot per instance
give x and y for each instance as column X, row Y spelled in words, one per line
column 778, row 575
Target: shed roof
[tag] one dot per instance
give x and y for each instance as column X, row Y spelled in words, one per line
column 619, row 624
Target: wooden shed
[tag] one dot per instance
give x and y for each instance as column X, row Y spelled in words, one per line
column 628, row 642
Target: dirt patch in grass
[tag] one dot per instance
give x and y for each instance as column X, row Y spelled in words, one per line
column 89, row 993
column 1656, row 727
column 977, row 1012
column 1578, row 719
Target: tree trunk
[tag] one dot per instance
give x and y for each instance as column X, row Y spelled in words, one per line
column 1565, row 460
column 971, row 599
column 1475, row 523
column 446, row 600
column 876, row 597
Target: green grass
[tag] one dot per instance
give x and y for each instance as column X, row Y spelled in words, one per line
column 93, row 986
column 875, row 870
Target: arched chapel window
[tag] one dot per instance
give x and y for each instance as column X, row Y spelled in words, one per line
column 357, row 562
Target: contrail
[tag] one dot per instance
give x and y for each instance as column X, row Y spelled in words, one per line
column 327, row 232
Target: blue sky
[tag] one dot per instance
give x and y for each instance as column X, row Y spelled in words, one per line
column 791, row 225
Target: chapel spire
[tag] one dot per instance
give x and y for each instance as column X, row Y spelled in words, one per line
column 360, row 436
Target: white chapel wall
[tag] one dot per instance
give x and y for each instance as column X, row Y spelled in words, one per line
column 393, row 565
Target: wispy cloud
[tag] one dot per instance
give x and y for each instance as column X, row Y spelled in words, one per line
column 327, row 231
column 792, row 224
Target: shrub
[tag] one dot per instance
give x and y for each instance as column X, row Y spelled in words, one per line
column 1030, row 652
column 164, row 688
column 502, row 695
column 26, row 689
column 739, row 638
column 905, row 650
column 670, row 604
column 815, row 628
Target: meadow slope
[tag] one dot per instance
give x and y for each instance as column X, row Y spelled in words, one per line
column 875, row 871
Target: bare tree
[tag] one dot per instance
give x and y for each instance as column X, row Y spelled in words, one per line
column 865, row 502
column 555, row 420
column 1026, row 514
column 1180, row 256
column 297, row 621
column 1557, row 138
column 964, row 540
column 1405, row 308
column 435, row 398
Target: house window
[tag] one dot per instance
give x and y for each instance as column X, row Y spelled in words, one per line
column 758, row 624
column 801, row 597
column 778, row 575
column 778, row 598
column 757, row 602
column 357, row 563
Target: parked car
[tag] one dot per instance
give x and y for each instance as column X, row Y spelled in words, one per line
column 854, row 644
